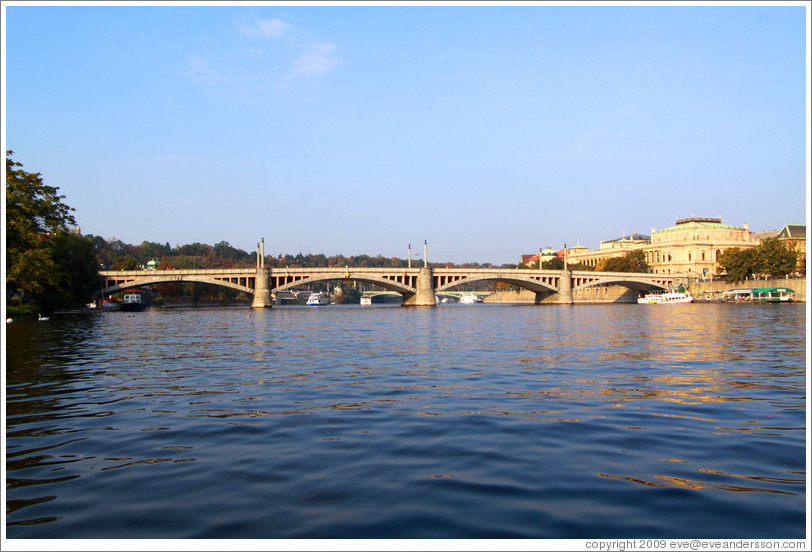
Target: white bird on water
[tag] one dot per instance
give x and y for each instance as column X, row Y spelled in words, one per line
column 42, row 319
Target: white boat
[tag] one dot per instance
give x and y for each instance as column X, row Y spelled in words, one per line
column 366, row 300
column 657, row 297
column 317, row 299
column 470, row 298
column 132, row 301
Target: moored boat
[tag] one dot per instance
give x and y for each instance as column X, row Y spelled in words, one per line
column 132, row 301
column 740, row 294
column 317, row 299
column 111, row 304
column 773, row 295
column 366, row 300
column 470, row 298
column 657, row 297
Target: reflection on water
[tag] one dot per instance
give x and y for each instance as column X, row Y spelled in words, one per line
column 461, row 421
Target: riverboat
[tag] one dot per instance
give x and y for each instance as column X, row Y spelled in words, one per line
column 773, row 295
column 111, row 304
column 740, row 294
column 658, row 297
column 132, row 301
column 366, row 300
column 317, row 299
column 470, row 298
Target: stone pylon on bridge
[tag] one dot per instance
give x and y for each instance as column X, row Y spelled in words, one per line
column 424, row 297
column 565, row 288
column 262, row 290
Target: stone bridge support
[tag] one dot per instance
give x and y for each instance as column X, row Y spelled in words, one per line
column 424, row 297
column 262, row 291
column 565, row 288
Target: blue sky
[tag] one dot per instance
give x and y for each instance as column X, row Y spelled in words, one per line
column 489, row 131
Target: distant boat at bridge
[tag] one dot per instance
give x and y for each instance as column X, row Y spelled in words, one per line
column 317, row 299
column 470, row 299
column 132, row 301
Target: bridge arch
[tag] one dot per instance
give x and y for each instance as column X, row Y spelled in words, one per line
column 385, row 283
column 151, row 280
column 639, row 284
column 534, row 285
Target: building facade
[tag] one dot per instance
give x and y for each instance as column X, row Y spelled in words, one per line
column 690, row 247
column 693, row 245
column 795, row 236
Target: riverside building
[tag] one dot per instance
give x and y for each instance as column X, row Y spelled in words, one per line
column 693, row 245
column 690, row 247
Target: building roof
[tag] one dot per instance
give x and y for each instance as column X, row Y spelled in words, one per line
column 761, row 236
column 795, row 231
column 695, row 222
column 630, row 237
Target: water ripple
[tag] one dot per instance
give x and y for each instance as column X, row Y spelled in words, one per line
column 535, row 422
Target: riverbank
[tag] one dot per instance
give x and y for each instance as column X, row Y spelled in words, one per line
column 714, row 289
column 710, row 290
column 596, row 294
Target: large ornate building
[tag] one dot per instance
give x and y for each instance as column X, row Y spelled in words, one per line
column 692, row 246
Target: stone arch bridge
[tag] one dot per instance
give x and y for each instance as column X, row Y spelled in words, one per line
column 416, row 285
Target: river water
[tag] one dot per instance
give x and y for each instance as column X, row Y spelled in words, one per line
column 462, row 421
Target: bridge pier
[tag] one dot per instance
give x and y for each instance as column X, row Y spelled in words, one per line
column 262, row 289
column 425, row 290
column 565, row 288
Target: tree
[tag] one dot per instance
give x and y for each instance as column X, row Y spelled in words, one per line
column 556, row 263
column 75, row 259
column 34, row 211
column 124, row 263
column 737, row 263
column 633, row 261
column 775, row 258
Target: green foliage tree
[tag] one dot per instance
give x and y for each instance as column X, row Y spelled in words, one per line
column 75, row 259
column 737, row 263
column 775, row 257
column 124, row 263
column 633, row 261
column 351, row 295
column 34, row 212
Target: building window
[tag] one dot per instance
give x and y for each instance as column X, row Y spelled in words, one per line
column 703, row 255
column 689, row 258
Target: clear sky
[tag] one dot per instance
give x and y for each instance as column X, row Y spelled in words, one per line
column 489, row 131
